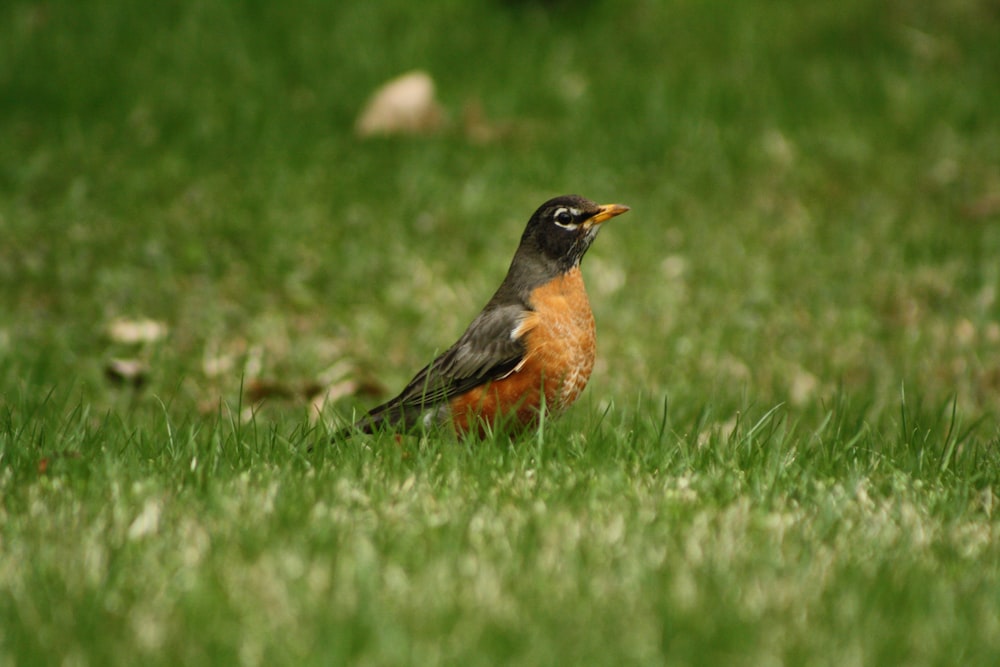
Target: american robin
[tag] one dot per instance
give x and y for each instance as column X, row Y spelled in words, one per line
column 531, row 349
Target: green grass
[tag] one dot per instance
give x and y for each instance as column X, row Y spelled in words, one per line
column 788, row 453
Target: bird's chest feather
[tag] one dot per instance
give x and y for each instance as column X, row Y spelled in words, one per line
column 560, row 347
column 561, row 337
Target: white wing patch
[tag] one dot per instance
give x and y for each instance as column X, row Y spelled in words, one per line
column 525, row 324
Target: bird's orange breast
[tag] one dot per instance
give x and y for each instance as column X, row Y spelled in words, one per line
column 561, row 346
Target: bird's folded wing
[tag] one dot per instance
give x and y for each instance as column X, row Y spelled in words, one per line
column 491, row 348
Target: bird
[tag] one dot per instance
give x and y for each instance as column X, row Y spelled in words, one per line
column 530, row 350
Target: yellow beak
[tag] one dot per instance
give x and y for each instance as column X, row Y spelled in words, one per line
column 606, row 212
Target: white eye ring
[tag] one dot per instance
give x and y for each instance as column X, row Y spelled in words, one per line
column 564, row 217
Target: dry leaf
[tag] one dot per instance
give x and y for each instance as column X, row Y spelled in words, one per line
column 802, row 387
column 331, row 394
column 46, row 461
column 130, row 372
column 258, row 390
column 404, row 105
column 987, row 206
column 478, row 128
column 133, row 332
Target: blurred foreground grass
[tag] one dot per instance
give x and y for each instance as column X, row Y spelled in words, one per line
column 815, row 193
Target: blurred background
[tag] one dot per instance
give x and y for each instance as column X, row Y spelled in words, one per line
column 188, row 210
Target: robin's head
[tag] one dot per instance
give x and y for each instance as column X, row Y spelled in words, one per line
column 563, row 228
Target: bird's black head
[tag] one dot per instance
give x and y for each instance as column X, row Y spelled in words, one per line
column 562, row 229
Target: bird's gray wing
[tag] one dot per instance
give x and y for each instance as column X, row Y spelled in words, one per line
column 491, row 348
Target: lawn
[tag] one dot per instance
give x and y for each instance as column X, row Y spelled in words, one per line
column 788, row 453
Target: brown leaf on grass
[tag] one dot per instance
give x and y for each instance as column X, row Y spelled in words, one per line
column 133, row 332
column 802, row 387
column 987, row 206
column 332, row 392
column 127, row 372
column 404, row 105
column 478, row 128
column 259, row 389
column 46, row 461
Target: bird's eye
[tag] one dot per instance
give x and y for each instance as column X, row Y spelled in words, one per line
column 563, row 217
